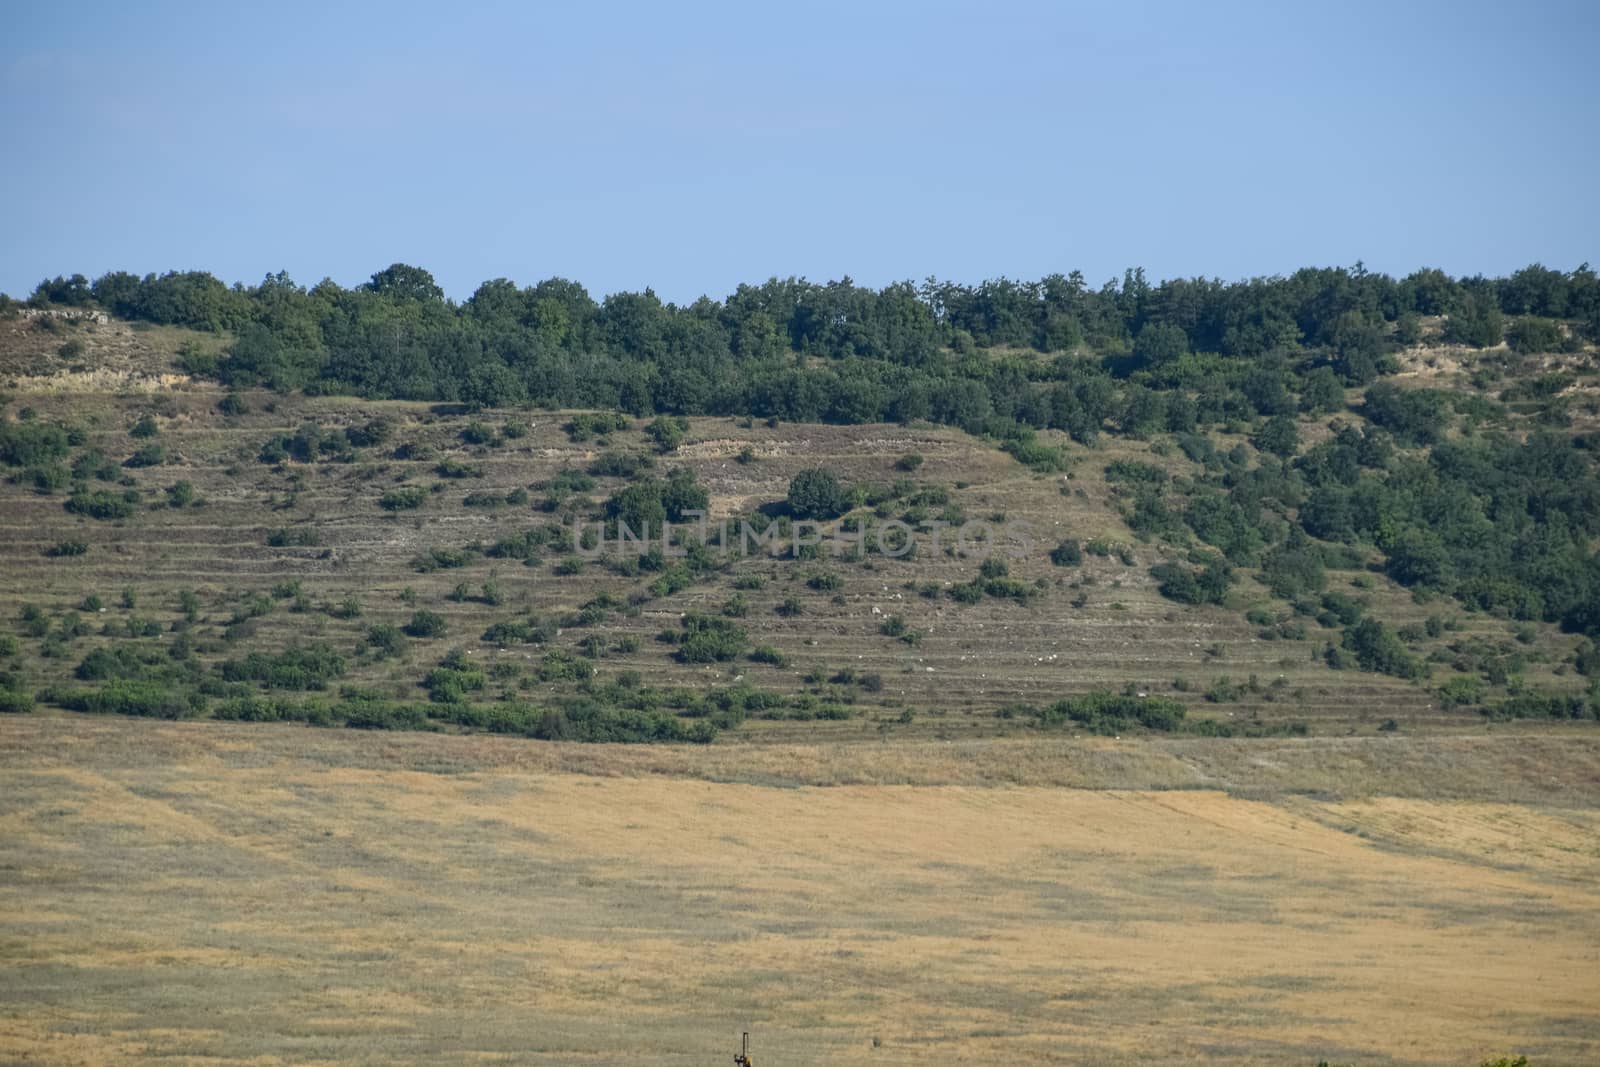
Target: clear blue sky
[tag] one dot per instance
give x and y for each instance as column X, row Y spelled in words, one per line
column 690, row 147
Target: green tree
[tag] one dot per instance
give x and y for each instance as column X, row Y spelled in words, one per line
column 817, row 494
column 1278, row 435
column 1478, row 323
column 1321, row 392
column 1160, row 343
column 405, row 283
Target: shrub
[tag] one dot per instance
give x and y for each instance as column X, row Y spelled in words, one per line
column 667, row 433
column 1414, row 416
column 454, row 468
column 1209, row 585
column 1376, row 648
column 1066, row 554
column 48, row 478
column 1460, row 691
column 153, row 700
column 1290, row 572
column 153, row 454
column 590, row 721
column 34, row 621
column 15, row 701
column 403, row 498
column 309, row 667
column 145, row 428
column 1047, row 459
column 768, row 654
column 25, row 444
column 586, row 426
column 101, row 504
column 908, row 462
column 437, row 559
column 66, row 548
column 477, row 433
column 93, row 463
column 425, row 624
column 1104, row 712
column 617, row 465
column 517, row 631
column 706, row 639
column 386, row 639
column 1535, row 705
column 293, row 537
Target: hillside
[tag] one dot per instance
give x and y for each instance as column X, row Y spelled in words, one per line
column 258, row 556
column 1271, row 740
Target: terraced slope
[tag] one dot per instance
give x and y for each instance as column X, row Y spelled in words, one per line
column 277, row 551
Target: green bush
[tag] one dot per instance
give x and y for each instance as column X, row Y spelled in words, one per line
column 293, row 537
column 101, row 504
column 309, row 667
column 768, row 654
column 706, row 639
column 477, row 433
column 386, row 640
column 1209, row 585
column 593, row 722
column 403, row 498
column 1105, row 712
column 589, row 425
column 92, row 463
column 454, row 468
column 24, row 444
column 1529, row 335
column 667, row 433
column 15, row 701
column 616, row 465
column 1376, row 648
column 1066, row 554
column 150, row 455
column 425, row 624
column 152, row 700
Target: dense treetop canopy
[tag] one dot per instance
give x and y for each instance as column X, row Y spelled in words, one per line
column 905, row 351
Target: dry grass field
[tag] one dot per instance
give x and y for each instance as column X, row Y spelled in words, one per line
column 205, row 893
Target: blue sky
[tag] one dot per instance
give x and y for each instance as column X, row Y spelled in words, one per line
column 693, row 147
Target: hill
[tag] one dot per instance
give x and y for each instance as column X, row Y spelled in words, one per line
column 177, row 548
column 1263, row 732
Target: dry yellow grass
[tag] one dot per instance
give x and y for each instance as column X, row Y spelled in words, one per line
column 213, row 894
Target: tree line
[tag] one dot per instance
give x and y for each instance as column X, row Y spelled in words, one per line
column 799, row 350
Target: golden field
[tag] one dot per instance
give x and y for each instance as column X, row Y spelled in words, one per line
column 202, row 893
